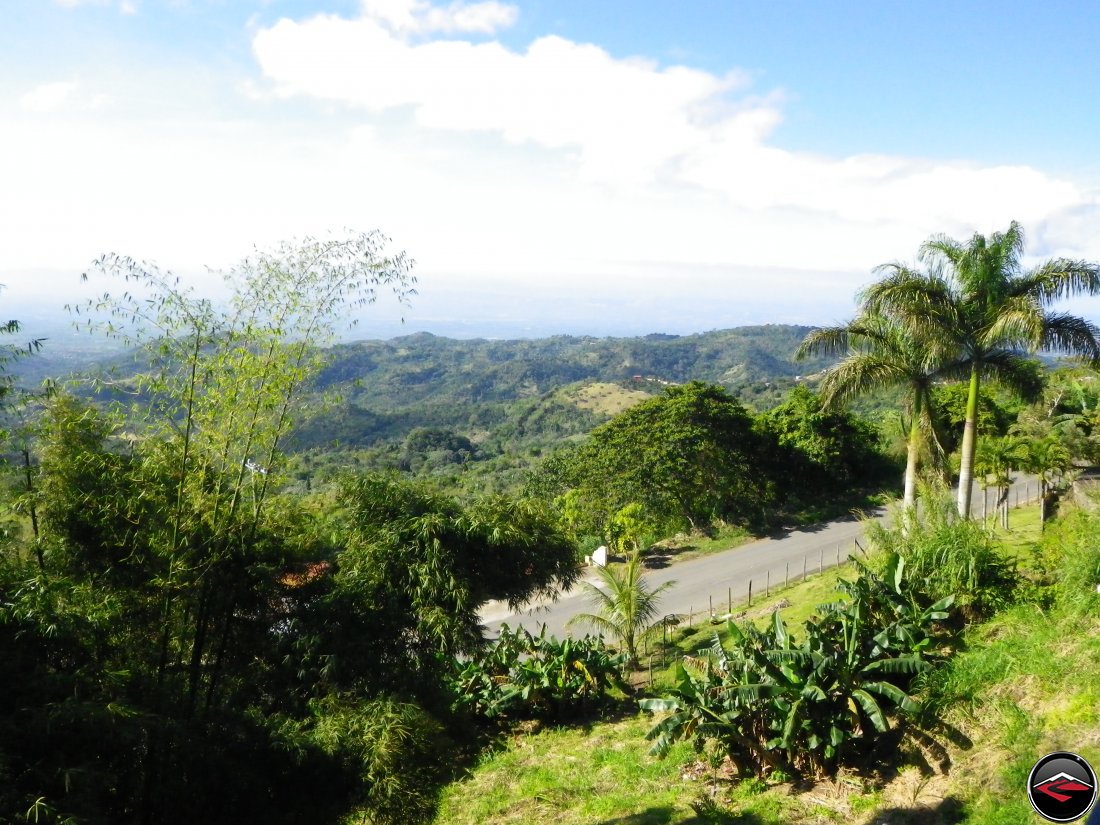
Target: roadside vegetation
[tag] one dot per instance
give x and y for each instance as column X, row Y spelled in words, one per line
column 196, row 623
column 1006, row 688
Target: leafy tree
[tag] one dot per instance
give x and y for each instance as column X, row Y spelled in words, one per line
column 978, row 297
column 626, row 605
column 167, row 652
column 422, row 565
column 1069, row 412
column 828, row 450
column 628, row 528
column 997, row 410
column 688, row 457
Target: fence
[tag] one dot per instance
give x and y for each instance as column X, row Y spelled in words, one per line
column 781, row 576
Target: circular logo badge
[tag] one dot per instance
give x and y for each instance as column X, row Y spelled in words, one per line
column 1062, row 787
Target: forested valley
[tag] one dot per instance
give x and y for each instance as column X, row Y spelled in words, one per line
column 242, row 563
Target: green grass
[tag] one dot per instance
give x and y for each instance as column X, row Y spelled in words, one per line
column 1025, row 683
column 1023, row 533
column 575, row 776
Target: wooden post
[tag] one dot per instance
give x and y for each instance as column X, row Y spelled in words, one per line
column 768, row 585
column 787, row 575
column 711, row 606
column 729, row 599
column 750, row 592
column 804, row 567
column 838, row 553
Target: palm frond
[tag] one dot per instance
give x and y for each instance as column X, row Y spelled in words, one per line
column 824, row 341
column 1059, row 278
column 1071, row 335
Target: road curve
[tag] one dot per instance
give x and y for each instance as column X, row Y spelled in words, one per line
column 717, row 578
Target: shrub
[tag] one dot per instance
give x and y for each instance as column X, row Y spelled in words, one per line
column 945, row 555
column 535, row 677
column 778, row 707
column 1070, row 553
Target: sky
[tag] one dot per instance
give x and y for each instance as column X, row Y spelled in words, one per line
column 602, row 168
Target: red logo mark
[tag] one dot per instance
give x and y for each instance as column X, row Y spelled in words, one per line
column 1062, row 787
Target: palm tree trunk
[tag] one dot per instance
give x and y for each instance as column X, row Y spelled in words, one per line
column 970, row 437
column 910, row 497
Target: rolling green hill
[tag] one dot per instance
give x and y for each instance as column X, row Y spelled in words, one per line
column 389, row 388
column 402, row 403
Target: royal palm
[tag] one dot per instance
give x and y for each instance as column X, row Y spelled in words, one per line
column 978, row 299
column 882, row 354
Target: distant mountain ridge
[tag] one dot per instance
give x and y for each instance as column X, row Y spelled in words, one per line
column 470, row 385
column 424, row 364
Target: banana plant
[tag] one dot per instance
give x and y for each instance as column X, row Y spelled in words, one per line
column 807, row 706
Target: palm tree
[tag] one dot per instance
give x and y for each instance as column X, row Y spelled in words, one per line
column 883, row 353
column 978, row 298
column 996, row 460
column 1046, row 457
column 626, row 606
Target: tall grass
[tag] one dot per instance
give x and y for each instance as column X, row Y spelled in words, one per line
column 1070, row 555
column 945, row 555
column 1027, row 682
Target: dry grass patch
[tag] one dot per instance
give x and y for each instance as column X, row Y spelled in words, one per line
column 607, row 399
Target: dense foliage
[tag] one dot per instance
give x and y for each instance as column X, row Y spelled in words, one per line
column 695, row 456
column 807, row 706
column 180, row 641
column 521, row 676
column 826, row 451
column 688, row 457
column 946, row 555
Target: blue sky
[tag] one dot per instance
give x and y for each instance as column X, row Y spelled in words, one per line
column 602, row 168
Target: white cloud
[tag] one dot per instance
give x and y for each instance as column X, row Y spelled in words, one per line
column 626, row 118
column 412, row 17
column 58, row 95
column 124, row 6
column 47, row 96
column 558, row 165
column 631, row 122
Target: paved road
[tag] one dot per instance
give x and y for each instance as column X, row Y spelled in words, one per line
column 726, row 575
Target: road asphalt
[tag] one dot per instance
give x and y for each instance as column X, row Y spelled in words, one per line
column 713, row 581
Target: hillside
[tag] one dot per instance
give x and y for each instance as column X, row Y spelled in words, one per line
column 388, row 388
column 1021, row 684
column 477, row 414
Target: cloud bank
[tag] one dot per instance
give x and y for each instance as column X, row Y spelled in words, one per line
column 630, row 122
column 548, row 166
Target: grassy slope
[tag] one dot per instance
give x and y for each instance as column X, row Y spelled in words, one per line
column 1027, row 683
